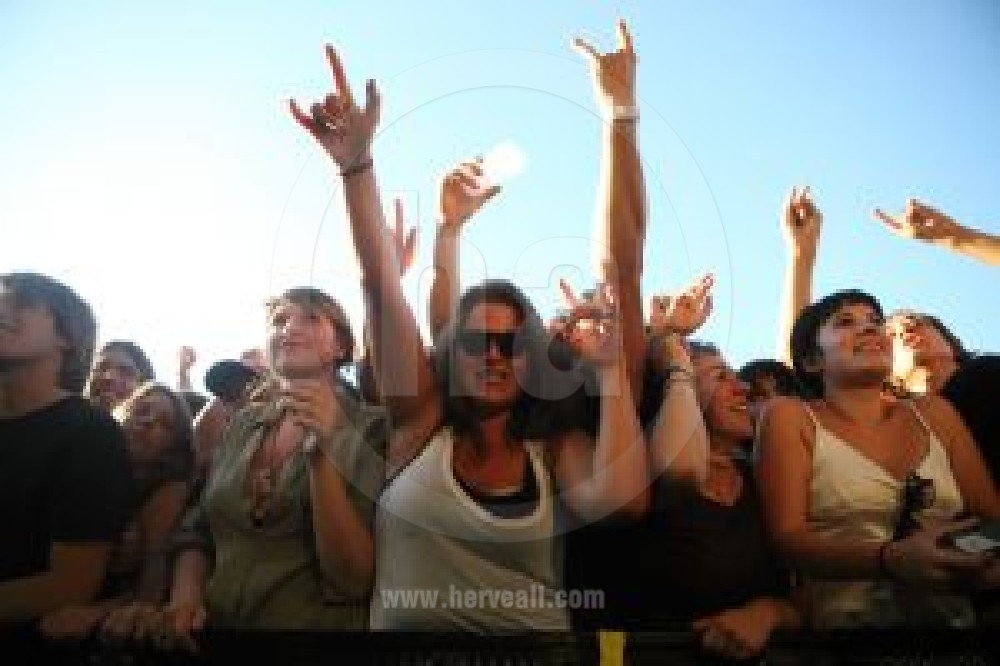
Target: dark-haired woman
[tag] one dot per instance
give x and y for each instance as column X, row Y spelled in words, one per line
column 120, row 367
column 859, row 490
column 478, row 447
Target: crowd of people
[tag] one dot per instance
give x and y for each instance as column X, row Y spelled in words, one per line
column 607, row 449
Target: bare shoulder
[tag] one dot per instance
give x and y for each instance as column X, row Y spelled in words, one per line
column 786, row 418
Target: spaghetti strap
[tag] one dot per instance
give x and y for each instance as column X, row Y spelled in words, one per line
column 811, row 413
column 920, row 417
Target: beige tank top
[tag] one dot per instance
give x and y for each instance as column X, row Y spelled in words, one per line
column 853, row 497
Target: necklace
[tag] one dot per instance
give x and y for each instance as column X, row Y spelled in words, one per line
column 263, row 477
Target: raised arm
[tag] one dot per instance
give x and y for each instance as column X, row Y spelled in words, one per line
column 800, row 225
column 345, row 131
column 462, row 193
column 930, row 225
column 621, row 207
column 611, row 476
column 679, row 440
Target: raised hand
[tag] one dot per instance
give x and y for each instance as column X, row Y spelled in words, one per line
column 592, row 327
column 186, row 359
column 463, row 192
column 801, row 221
column 614, row 72
column 405, row 243
column 921, row 222
column 341, row 127
column 684, row 313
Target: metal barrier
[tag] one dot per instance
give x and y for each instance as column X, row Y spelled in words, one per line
column 305, row 649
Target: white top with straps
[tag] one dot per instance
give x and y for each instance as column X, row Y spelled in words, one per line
column 445, row 563
column 853, row 497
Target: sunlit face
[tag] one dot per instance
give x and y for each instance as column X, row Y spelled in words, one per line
column 151, row 427
column 723, row 398
column 915, row 342
column 113, row 377
column 302, row 341
column 490, row 361
column 27, row 333
column 854, row 345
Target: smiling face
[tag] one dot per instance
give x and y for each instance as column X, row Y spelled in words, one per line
column 302, row 340
column 853, row 346
column 916, row 341
column 152, row 427
column 491, row 362
column 723, row 399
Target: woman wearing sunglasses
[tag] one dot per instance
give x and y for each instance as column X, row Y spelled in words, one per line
column 860, row 491
column 479, row 442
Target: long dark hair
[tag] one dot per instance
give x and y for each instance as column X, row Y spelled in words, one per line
column 550, row 399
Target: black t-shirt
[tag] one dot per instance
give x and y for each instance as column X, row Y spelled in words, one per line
column 64, row 477
column 974, row 391
column 688, row 558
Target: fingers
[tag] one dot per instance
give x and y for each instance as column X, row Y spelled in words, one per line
column 339, row 76
column 304, row 119
column 373, row 102
column 397, row 204
column 569, row 296
column 886, row 219
column 624, row 38
column 585, row 48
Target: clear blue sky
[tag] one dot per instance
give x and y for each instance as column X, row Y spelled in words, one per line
column 148, row 159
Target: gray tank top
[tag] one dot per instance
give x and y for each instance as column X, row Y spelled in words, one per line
column 445, row 563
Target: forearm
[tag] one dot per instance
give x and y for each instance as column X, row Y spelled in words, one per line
column 796, row 296
column 679, row 446
column 622, row 220
column 975, row 244
column 184, row 382
column 619, row 467
column 783, row 613
column 402, row 377
column 445, row 287
column 832, row 557
column 343, row 542
column 26, row 598
column 190, row 575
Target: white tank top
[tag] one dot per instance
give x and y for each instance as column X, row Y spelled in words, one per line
column 445, row 563
column 853, row 497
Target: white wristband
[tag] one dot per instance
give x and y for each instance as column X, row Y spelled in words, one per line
column 621, row 112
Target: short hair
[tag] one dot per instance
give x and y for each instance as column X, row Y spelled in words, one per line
column 73, row 317
column 804, row 344
column 784, row 377
column 135, row 354
column 311, row 297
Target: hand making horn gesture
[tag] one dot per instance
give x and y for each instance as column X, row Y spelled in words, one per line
column 684, row 313
column 339, row 125
column 463, row 192
column 613, row 73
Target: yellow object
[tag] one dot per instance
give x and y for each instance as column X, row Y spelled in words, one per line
column 612, row 647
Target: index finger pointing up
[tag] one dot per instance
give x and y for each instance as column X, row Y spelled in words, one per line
column 339, row 77
column 624, row 37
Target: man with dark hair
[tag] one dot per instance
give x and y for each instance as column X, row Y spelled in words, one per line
column 65, row 480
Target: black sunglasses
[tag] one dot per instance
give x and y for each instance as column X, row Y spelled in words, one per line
column 478, row 343
column 918, row 494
